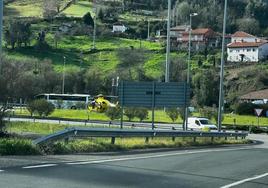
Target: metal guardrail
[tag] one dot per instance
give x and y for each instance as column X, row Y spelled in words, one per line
column 113, row 133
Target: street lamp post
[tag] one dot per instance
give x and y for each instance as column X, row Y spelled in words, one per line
column 63, row 74
column 188, row 70
column 1, row 32
column 95, row 25
column 168, row 43
column 221, row 94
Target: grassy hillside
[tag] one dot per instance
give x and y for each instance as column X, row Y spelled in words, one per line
column 79, row 9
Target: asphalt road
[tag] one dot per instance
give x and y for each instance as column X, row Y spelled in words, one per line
column 240, row 166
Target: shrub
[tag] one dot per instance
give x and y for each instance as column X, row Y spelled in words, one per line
column 113, row 113
column 17, row 147
column 130, row 113
column 31, row 107
column 173, row 113
column 141, row 113
column 208, row 112
column 41, row 106
column 3, row 110
column 245, row 108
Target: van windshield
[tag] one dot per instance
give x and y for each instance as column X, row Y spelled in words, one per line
column 205, row 122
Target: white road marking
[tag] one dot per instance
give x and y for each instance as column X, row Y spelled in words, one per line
column 152, row 156
column 245, row 180
column 1, row 170
column 40, row 166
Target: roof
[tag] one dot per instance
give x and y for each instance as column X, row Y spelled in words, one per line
column 242, row 34
column 261, row 94
column 201, row 31
column 180, row 28
column 246, row 44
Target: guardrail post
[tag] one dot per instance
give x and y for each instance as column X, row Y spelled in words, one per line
column 212, row 139
column 113, row 140
column 194, row 139
column 173, row 139
column 59, row 121
column 146, row 139
column 66, row 140
column 236, row 136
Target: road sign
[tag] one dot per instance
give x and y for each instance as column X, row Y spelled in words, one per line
column 153, row 94
column 258, row 111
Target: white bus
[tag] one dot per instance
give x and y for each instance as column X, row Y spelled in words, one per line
column 67, row 101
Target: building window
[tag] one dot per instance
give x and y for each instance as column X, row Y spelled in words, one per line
column 231, row 50
column 254, row 49
column 248, row 50
column 237, row 50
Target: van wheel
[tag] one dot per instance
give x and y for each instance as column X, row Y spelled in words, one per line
column 73, row 107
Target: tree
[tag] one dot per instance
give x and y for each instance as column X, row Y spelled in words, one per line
column 87, row 19
column 17, row 33
column 50, row 8
column 178, row 69
column 130, row 113
column 173, row 113
column 31, row 107
column 205, row 92
column 101, row 14
column 3, row 110
column 41, row 106
column 113, row 113
column 141, row 113
column 131, row 63
column 249, row 25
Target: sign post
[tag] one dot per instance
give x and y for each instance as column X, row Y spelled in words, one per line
column 258, row 113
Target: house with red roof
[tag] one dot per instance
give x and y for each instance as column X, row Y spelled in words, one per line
column 246, row 48
column 201, row 39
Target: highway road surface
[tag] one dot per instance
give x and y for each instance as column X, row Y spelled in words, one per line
column 223, row 167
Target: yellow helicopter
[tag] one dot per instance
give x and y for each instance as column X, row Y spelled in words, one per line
column 100, row 104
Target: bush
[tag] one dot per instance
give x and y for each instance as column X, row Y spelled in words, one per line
column 248, row 108
column 17, row 147
column 113, row 113
column 3, row 110
column 141, row 113
column 208, row 112
column 245, row 108
column 130, row 113
column 41, row 106
column 173, row 113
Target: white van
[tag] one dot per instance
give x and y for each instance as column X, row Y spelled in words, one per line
column 200, row 123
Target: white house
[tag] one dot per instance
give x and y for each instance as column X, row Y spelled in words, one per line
column 246, row 48
column 120, row 28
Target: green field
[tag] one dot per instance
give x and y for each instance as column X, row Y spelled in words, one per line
column 160, row 116
column 79, row 9
column 24, row 8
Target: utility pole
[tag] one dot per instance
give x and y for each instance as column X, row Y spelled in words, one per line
column 148, row 34
column 188, row 72
column 1, row 33
column 95, row 19
column 168, row 43
column 221, row 94
column 63, row 75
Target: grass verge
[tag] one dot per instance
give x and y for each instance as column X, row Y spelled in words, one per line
column 125, row 144
column 16, row 146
